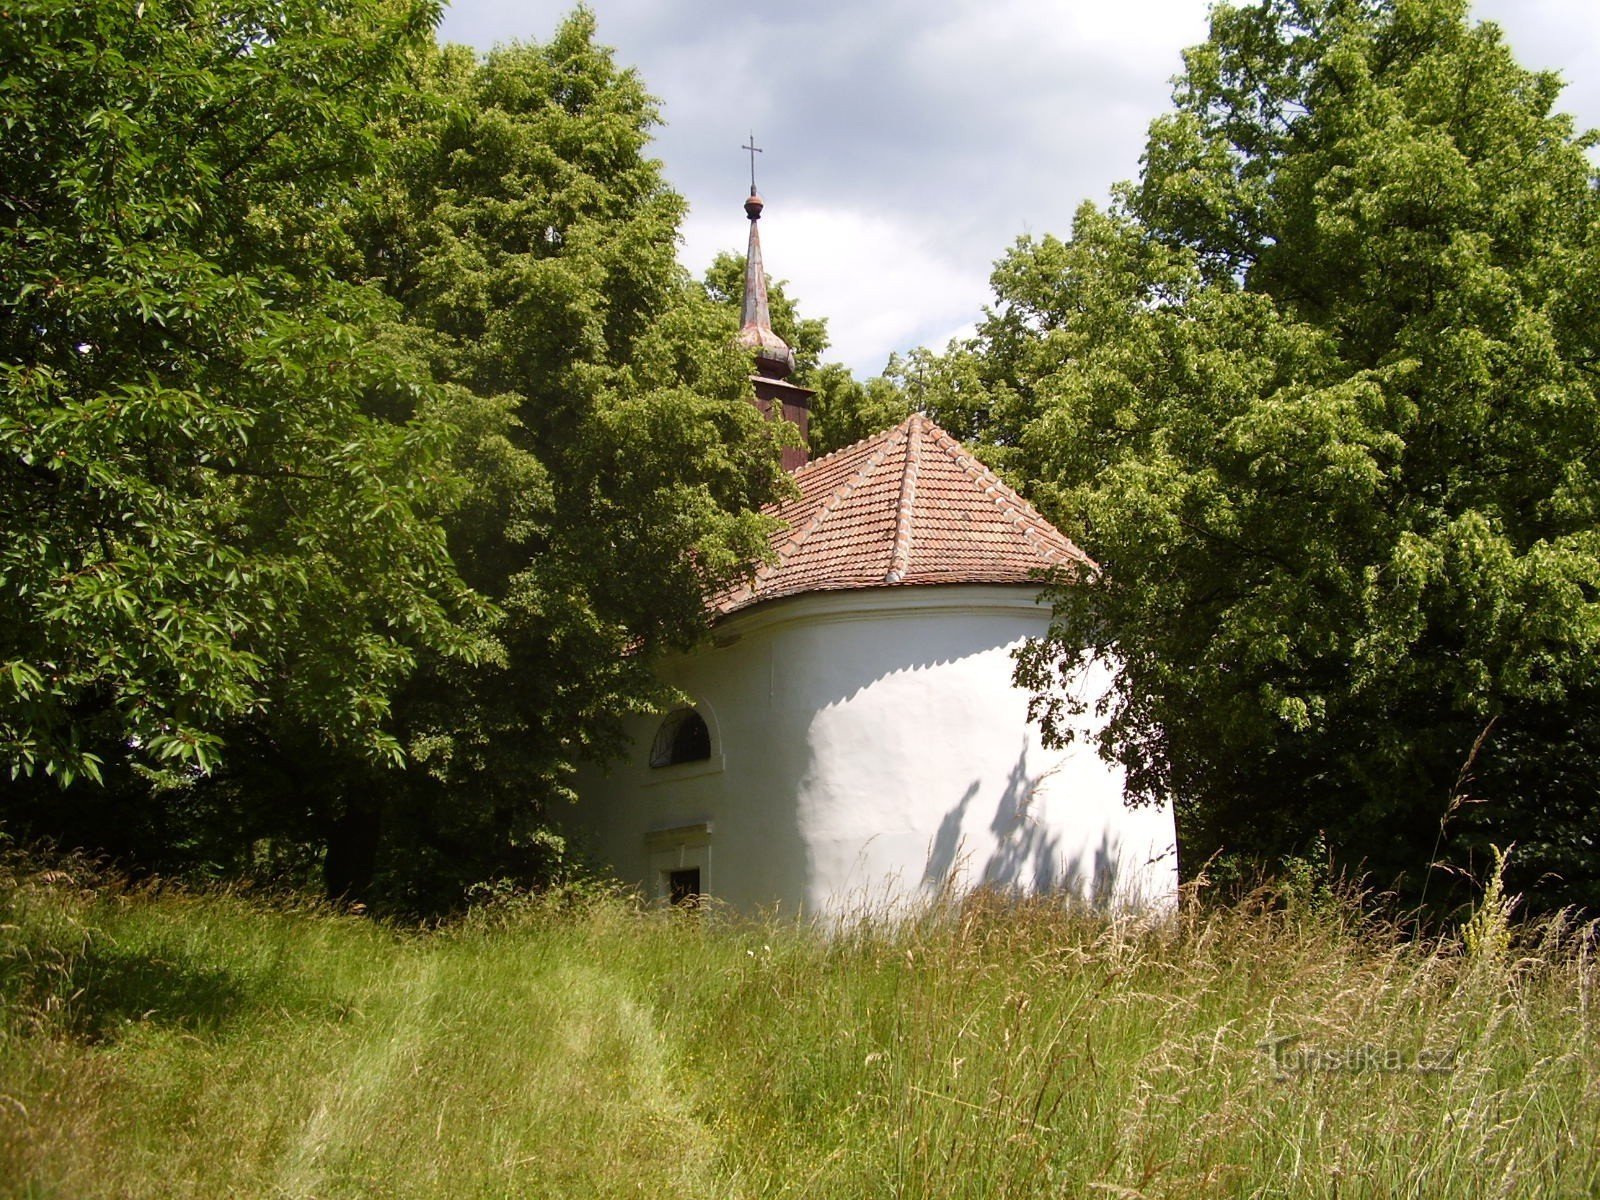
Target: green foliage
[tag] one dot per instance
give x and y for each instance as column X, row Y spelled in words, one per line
column 614, row 466
column 187, row 1045
column 1318, row 393
column 305, row 316
column 807, row 336
column 215, row 487
column 953, row 388
column 843, row 410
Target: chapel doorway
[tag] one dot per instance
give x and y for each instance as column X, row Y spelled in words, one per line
column 683, row 886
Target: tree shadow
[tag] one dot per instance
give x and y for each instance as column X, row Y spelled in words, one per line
column 1025, row 858
column 1028, row 855
column 112, row 989
column 945, row 850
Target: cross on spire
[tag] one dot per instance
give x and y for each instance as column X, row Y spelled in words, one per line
column 754, row 150
column 774, row 359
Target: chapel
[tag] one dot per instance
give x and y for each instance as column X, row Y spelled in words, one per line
column 854, row 740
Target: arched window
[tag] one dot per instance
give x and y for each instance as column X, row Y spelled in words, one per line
column 682, row 738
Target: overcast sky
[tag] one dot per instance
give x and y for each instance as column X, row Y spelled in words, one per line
column 907, row 143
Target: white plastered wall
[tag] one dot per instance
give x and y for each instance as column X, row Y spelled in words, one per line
column 868, row 748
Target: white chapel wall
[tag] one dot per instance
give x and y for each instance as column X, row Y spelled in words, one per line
column 868, row 748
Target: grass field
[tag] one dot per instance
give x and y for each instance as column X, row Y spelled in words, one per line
column 180, row 1045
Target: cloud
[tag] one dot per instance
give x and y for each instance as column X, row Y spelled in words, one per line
column 1554, row 34
column 880, row 283
column 908, row 142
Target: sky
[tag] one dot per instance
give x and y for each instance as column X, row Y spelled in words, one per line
column 907, row 143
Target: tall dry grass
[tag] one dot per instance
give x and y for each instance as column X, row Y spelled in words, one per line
column 164, row 1044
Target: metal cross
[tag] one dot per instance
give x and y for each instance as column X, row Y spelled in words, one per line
column 754, row 150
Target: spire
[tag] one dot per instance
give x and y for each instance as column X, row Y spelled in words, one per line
column 774, row 395
column 774, row 358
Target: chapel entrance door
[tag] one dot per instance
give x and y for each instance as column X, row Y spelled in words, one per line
column 683, row 886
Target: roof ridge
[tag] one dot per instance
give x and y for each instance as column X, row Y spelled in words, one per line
column 855, row 445
column 1006, row 498
column 900, row 559
column 827, row 508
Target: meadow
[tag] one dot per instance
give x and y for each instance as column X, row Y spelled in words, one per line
column 157, row 1042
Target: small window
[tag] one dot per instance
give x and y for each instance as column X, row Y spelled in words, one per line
column 683, row 886
column 682, row 738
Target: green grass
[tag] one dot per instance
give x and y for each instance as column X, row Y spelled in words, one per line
column 179, row 1045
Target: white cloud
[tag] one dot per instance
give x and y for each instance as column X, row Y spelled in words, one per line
column 881, row 284
column 1554, row 34
column 910, row 141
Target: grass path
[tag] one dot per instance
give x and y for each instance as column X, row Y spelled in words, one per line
column 381, row 1056
column 310, row 1055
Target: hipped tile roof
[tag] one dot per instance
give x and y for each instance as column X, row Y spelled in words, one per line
column 908, row 506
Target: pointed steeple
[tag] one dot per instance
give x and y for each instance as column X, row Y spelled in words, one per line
column 774, row 358
column 774, row 395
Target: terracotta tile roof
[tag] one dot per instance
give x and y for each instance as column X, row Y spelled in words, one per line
column 908, row 506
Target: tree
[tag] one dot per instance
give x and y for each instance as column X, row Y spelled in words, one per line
column 807, row 336
column 614, row 465
column 1318, row 392
column 843, row 409
column 218, row 494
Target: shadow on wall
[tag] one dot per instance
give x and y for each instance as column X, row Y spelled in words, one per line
column 945, row 851
column 929, row 644
column 1028, row 855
